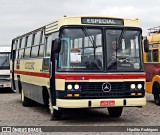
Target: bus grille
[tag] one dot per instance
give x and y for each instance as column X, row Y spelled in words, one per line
column 95, row 90
column 4, row 77
column 97, row 87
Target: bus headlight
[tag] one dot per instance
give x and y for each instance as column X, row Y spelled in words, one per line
column 139, row 86
column 69, row 86
column 76, row 86
column 133, row 86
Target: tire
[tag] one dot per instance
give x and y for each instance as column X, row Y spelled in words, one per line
column 55, row 114
column 156, row 93
column 115, row 111
column 26, row 102
column 157, row 98
column 45, row 97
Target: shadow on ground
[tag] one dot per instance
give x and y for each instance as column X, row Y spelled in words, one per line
column 6, row 90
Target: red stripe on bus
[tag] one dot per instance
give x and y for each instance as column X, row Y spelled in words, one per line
column 151, row 69
column 99, row 76
column 37, row 74
column 84, row 76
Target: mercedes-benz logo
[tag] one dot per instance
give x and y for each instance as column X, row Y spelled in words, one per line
column 106, row 87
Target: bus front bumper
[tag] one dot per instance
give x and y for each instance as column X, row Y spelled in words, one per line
column 89, row 103
column 5, row 84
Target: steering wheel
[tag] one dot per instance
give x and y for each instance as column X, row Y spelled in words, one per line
column 120, row 60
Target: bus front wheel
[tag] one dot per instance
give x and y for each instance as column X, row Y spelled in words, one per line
column 115, row 111
column 55, row 114
column 25, row 101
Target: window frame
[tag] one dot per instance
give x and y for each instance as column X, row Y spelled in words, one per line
column 149, row 54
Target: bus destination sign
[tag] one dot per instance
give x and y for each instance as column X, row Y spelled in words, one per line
column 102, row 21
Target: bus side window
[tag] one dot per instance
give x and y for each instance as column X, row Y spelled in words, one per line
column 149, row 56
column 47, row 48
column 34, row 51
column 27, row 52
column 29, row 40
column 41, row 50
column 49, row 40
column 36, row 44
column 41, row 47
column 21, row 53
column 48, row 45
column 46, row 63
column 23, row 42
column 17, row 54
column 155, row 55
column 36, row 38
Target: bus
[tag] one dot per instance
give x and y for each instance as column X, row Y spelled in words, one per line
column 152, row 63
column 5, row 52
column 81, row 62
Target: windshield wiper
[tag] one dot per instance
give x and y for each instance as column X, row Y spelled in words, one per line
column 121, row 36
column 87, row 33
column 119, row 41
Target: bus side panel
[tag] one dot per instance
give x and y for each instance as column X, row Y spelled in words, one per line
column 148, row 87
column 32, row 78
column 33, row 92
column 16, row 85
column 152, row 72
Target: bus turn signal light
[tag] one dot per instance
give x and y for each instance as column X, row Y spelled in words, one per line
column 139, row 94
column 69, row 95
column 133, row 94
column 76, row 95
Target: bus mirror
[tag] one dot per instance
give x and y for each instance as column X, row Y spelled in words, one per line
column 56, row 45
column 146, row 45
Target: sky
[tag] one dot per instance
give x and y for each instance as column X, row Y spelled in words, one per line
column 20, row 16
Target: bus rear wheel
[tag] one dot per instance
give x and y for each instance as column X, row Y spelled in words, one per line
column 157, row 98
column 115, row 111
column 55, row 114
column 25, row 101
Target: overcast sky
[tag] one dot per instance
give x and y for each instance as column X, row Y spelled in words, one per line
column 20, row 16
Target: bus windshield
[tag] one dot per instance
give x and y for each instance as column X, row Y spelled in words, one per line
column 123, row 50
column 4, row 60
column 82, row 49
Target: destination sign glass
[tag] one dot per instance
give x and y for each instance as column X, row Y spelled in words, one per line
column 102, row 21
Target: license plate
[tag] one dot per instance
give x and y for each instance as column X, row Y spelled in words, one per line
column 107, row 103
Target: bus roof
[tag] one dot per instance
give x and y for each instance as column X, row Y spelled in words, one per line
column 77, row 20
column 94, row 20
column 154, row 35
column 154, row 39
column 5, row 49
column 154, row 30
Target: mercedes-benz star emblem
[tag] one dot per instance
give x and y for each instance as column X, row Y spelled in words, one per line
column 106, row 87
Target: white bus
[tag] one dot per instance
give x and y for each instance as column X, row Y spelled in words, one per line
column 5, row 52
column 93, row 62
